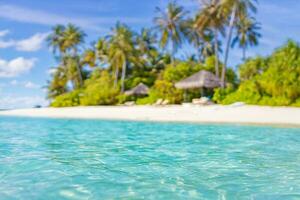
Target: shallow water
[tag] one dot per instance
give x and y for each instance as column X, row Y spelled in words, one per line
column 91, row 159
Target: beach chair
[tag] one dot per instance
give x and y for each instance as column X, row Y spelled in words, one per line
column 165, row 102
column 202, row 101
column 129, row 103
column 159, row 102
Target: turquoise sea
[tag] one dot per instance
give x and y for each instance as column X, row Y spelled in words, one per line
column 93, row 159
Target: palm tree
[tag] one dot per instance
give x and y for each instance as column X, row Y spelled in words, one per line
column 170, row 24
column 193, row 36
column 146, row 40
column 120, row 51
column 89, row 58
column 247, row 33
column 234, row 9
column 55, row 40
column 102, row 50
column 73, row 37
column 58, row 85
column 208, row 47
column 65, row 40
column 203, row 42
column 145, row 44
column 211, row 17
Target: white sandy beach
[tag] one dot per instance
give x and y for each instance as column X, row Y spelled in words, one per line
column 243, row 114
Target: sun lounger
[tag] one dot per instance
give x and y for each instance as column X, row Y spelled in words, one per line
column 129, row 103
column 158, row 102
column 202, row 101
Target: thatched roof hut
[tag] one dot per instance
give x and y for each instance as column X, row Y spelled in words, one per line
column 202, row 79
column 140, row 89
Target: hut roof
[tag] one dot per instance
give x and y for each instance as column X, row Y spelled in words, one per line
column 140, row 89
column 202, row 79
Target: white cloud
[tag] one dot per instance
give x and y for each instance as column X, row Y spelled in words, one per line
column 13, row 102
column 25, row 84
column 16, row 67
column 27, row 15
column 4, row 32
column 6, row 44
column 31, row 85
column 51, row 71
column 30, row 44
column 14, row 82
column 36, row 16
column 33, row 43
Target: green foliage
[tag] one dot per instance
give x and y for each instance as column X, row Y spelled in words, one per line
column 252, row 67
column 100, row 90
column 221, row 94
column 141, row 75
column 58, row 85
column 130, row 58
column 164, row 89
column 209, row 65
column 271, row 81
column 67, row 99
column 296, row 103
column 231, row 77
column 170, row 24
column 182, row 70
column 248, row 92
column 122, row 98
column 147, row 100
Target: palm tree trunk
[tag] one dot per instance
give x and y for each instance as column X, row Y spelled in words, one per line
column 229, row 36
column 116, row 77
column 216, row 46
column 173, row 54
column 123, row 76
column 79, row 73
column 63, row 60
column 78, row 68
column 244, row 52
column 199, row 53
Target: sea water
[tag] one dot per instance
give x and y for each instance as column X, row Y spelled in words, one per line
column 94, row 159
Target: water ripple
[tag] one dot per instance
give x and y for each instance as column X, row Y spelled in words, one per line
column 90, row 159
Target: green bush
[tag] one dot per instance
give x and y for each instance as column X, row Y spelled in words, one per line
column 163, row 89
column 296, row 103
column 122, row 98
column 221, row 94
column 146, row 100
column 248, row 92
column 182, row 70
column 274, row 101
column 137, row 77
column 273, row 81
column 252, row 68
column 68, row 99
column 100, row 90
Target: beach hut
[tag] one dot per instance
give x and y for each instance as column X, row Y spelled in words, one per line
column 140, row 90
column 202, row 79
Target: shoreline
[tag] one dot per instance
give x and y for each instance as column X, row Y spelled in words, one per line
column 215, row 114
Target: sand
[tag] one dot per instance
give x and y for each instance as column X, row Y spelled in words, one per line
column 238, row 114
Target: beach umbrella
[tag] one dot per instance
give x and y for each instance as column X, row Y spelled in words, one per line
column 140, row 89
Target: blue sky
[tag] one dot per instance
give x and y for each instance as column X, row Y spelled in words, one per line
column 25, row 59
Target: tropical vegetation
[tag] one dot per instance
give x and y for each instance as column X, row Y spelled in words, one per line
column 101, row 73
